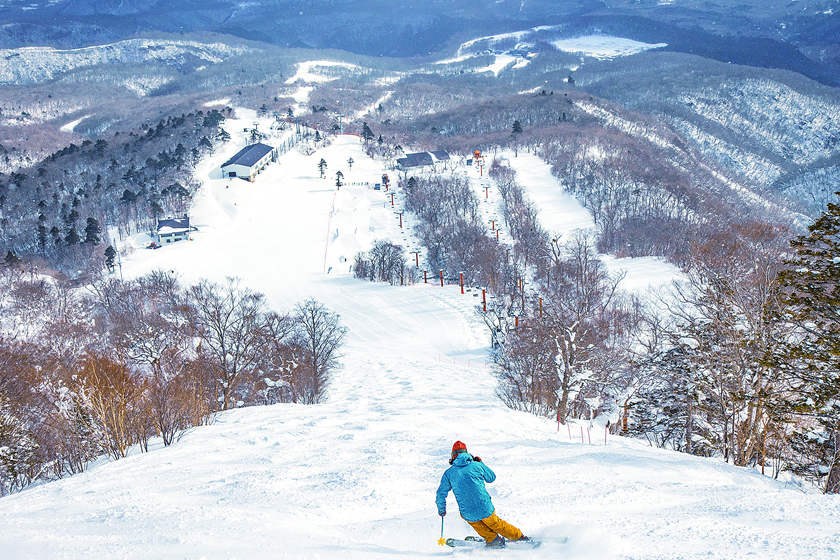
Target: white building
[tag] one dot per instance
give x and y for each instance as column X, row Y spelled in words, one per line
column 249, row 161
column 172, row 230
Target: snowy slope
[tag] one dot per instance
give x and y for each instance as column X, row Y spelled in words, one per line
column 355, row 477
column 28, row 65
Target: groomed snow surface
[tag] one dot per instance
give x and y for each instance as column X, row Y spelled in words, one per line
column 604, row 46
column 355, row 477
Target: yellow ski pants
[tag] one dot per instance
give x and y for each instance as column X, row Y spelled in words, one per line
column 492, row 526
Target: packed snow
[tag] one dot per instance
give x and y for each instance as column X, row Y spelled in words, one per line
column 355, row 477
column 561, row 216
column 308, row 71
column 313, row 71
column 604, row 46
column 71, row 126
column 597, row 46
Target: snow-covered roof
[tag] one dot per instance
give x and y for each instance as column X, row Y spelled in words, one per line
column 171, row 231
column 172, row 225
column 416, row 160
column 249, row 155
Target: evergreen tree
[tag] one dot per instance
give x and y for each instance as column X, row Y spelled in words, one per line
column 322, row 166
column 811, row 359
column 11, row 260
column 42, row 237
column 128, row 197
column 367, row 133
column 110, row 256
column 72, row 237
column 668, row 410
column 517, row 127
column 92, row 231
column 317, row 136
column 350, row 163
column 338, row 177
column 72, row 217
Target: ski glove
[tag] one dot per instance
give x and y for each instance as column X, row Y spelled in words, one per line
column 477, row 459
column 442, row 514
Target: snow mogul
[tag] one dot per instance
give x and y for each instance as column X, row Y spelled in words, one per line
column 466, row 478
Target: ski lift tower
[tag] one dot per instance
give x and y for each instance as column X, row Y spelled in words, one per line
column 479, row 160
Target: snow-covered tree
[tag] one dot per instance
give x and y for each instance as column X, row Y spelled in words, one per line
column 367, row 133
column 811, row 357
column 568, row 354
column 93, row 232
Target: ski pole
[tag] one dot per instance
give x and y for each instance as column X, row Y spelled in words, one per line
column 441, row 541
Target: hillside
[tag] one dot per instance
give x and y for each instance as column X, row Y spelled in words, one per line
column 799, row 36
column 355, row 477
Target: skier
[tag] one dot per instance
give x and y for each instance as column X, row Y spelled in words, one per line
column 466, row 478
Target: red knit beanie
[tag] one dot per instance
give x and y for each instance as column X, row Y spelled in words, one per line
column 459, row 447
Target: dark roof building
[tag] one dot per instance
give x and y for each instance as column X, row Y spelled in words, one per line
column 171, row 230
column 249, row 161
column 421, row 159
column 249, row 155
column 175, row 223
column 415, row 160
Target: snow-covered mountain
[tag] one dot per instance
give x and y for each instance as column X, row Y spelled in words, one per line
column 37, row 64
column 800, row 35
column 355, row 477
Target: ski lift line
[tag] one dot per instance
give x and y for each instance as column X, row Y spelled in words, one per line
column 329, row 223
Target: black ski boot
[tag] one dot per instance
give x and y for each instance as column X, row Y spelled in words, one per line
column 498, row 542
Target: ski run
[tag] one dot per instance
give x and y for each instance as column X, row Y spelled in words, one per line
column 355, row 477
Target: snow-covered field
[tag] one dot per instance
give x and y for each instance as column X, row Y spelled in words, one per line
column 355, row 477
column 69, row 127
column 604, row 46
column 314, row 72
column 596, row 46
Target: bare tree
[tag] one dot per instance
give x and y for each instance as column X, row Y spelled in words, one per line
column 112, row 393
column 281, row 361
column 568, row 352
column 228, row 320
column 321, row 335
column 146, row 321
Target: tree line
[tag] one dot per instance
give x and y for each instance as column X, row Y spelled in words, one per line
column 739, row 360
column 61, row 211
column 90, row 371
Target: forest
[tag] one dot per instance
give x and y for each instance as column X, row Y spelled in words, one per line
column 95, row 369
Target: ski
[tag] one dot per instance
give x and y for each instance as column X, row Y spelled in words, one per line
column 477, row 542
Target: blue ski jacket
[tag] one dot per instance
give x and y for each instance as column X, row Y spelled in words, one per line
column 466, row 479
